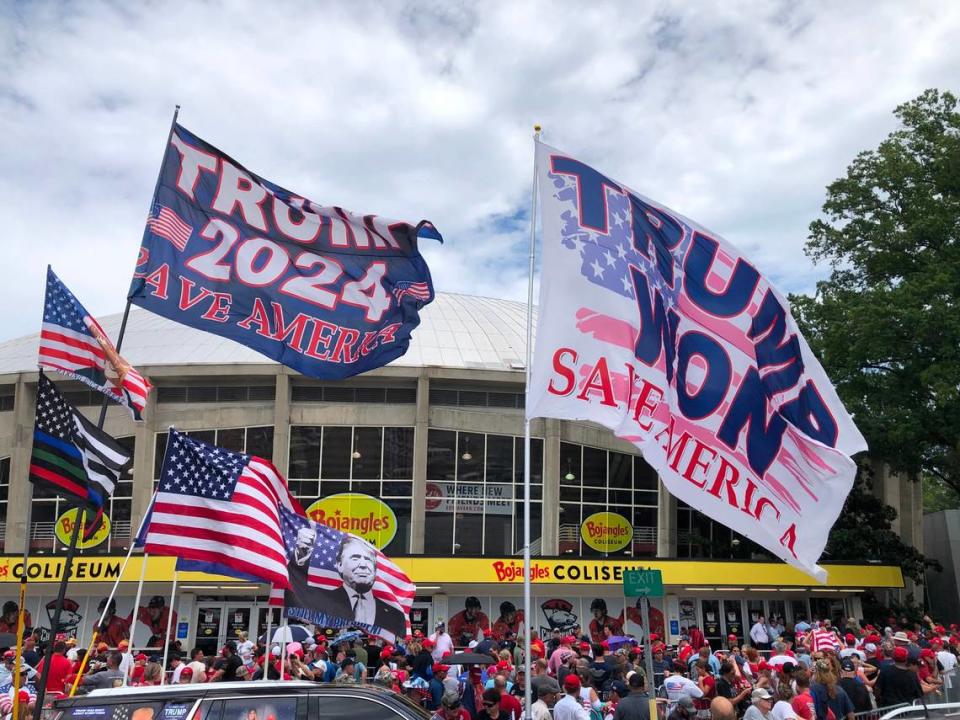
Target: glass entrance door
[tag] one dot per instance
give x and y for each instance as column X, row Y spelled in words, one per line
column 262, row 623
column 733, row 619
column 209, row 617
column 238, row 618
column 712, row 627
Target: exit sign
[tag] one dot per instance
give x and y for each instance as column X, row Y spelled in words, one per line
column 643, row 583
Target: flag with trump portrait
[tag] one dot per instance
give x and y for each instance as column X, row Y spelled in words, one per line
column 660, row 330
column 339, row 580
column 318, row 288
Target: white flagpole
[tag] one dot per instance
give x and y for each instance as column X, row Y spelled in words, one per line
column 283, row 647
column 266, row 654
column 113, row 592
column 527, row 694
column 136, row 611
column 166, row 643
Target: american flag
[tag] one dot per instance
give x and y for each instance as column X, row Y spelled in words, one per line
column 822, row 639
column 168, row 225
column 6, row 697
column 71, row 342
column 391, row 585
column 419, row 291
column 220, row 507
column 72, row 455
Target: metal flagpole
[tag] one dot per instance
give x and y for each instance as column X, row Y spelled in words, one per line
column 136, row 610
column 22, row 615
column 106, row 607
column 166, row 644
column 55, row 622
column 266, row 642
column 527, row 692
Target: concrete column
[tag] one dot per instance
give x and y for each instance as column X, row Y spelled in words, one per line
column 143, row 462
column 20, row 493
column 886, row 486
column 418, row 520
column 550, row 525
column 281, row 423
column 666, row 524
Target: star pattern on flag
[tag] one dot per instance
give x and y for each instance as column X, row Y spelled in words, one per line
column 202, row 470
column 325, row 546
column 60, row 308
column 606, row 257
column 54, row 416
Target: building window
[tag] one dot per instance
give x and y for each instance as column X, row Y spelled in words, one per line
column 376, row 461
column 215, row 393
column 474, row 503
column 4, row 495
column 475, row 398
column 700, row 537
column 256, row 441
column 594, row 480
column 341, row 394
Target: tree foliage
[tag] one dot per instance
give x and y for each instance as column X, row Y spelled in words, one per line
column 886, row 323
column 864, row 530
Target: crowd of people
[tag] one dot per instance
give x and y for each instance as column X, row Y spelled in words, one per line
column 807, row 671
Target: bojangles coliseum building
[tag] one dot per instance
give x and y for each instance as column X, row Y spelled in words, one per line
column 424, row 457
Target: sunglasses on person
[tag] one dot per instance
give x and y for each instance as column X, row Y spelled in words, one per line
column 489, row 704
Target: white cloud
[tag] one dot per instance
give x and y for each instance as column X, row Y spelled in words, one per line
column 735, row 114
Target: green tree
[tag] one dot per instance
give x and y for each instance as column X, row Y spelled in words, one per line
column 886, row 323
column 938, row 496
column 864, row 530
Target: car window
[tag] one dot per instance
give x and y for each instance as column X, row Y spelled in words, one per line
column 332, row 707
column 129, row 710
column 259, row 708
column 209, row 710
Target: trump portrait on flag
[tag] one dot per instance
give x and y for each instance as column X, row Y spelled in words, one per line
column 341, row 577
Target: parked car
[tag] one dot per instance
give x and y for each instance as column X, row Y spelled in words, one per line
column 270, row 700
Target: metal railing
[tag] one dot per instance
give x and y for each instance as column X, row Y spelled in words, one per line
column 918, row 710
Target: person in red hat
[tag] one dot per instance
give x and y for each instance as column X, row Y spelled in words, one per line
column 437, row 688
column 570, row 707
column 897, row 684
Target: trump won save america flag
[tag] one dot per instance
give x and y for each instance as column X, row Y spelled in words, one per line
column 220, row 510
column 71, row 342
column 663, row 332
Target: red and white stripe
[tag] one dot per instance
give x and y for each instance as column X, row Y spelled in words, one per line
column 167, row 224
column 276, row 597
column 418, row 291
column 242, row 532
column 821, row 640
column 69, row 351
column 391, row 585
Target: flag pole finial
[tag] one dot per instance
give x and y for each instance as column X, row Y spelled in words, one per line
column 537, row 127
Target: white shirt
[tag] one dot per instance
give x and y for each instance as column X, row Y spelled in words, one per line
column 540, row 710
column 758, row 633
column 364, row 606
column 783, row 710
column 677, row 685
column 570, row 709
column 245, row 650
column 126, row 663
column 176, row 673
column 442, row 643
column 847, row 652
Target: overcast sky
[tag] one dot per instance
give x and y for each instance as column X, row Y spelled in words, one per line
column 736, row 114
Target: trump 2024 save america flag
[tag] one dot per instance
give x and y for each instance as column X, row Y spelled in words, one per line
column 320, row 289
column 663, row 332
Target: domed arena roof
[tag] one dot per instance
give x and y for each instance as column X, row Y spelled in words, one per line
column 456, row 331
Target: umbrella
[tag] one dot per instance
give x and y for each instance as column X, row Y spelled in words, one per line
column 349, row 636
column 617, row 641
column 468, row 658
column 287, row 634
column 781, row 659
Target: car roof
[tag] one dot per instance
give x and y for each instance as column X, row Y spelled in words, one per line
column 224, row 689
